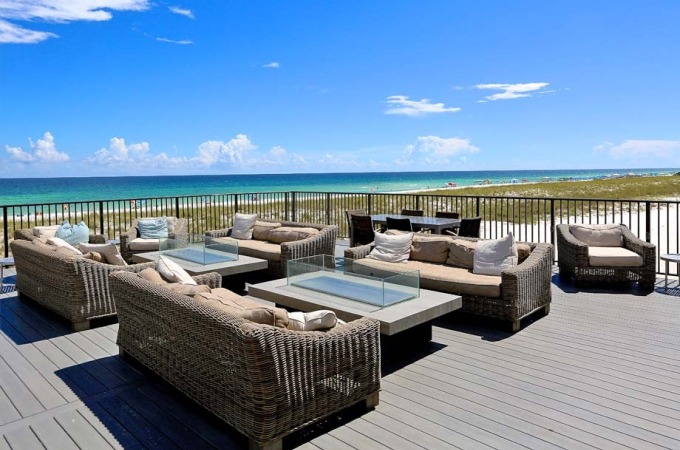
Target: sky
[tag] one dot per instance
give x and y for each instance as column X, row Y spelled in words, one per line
column 154, row 87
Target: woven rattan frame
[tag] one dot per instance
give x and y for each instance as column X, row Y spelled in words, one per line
column 264, row 381
column 319, row 244
column 72, row 286
column 525, row 288
column 181, row 226
column 27, row 235
column 573, row 261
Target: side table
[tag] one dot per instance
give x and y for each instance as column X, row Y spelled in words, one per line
column 4, row 262
column 669, row 258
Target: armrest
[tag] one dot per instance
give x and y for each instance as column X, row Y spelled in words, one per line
column 643, row 248
column 318, row 244
column 211, row 279
column 219, row 233
column 97, row 239
column 359, row 252
column 125, row 238
column 528, row 285
column 24, row 233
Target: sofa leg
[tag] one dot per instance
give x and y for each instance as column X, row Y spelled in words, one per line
column 372, row 400
column 273, row 445
column 81, row 326
column 515, row 326
column 546, row 309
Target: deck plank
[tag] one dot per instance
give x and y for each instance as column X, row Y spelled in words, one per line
column 52, row 436
column 23, row 438
column 84, row 434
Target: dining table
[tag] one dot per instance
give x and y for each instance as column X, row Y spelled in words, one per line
column 436, row 224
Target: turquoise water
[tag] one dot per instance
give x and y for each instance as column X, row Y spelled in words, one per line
column 25, row 191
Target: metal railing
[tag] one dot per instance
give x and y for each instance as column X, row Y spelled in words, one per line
column 528, row 218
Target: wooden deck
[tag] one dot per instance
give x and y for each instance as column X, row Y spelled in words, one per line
column 601, row 371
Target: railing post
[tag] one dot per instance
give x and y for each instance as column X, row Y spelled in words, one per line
column 368, row 203
column 648, row 221
column 5, row 230
column 477, row 208
column 417, row 201
column 328, row 208
column 552, row 221
column 235, row 203
column 101, row 218
column 286, row 205
column 293, row 206
column 177, row 207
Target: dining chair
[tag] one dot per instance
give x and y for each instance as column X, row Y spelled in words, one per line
column 394, row 223
column 448, row 215
column 362, row 231
column 415, row 213
column 469, row 227
column 348, row 214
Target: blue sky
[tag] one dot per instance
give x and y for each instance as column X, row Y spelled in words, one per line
column 140, row 87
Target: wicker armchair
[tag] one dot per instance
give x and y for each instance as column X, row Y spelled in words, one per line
column 175, row 227
column 266, row 382
column 574, row 260
column 73, row 287
column 319, row 244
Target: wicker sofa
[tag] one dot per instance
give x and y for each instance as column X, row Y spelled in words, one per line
column 278, row 255
column 266, row 382
column 29, row 235
column 515, row 294
column 131, row 243
column 631, row 260
column 72, row 286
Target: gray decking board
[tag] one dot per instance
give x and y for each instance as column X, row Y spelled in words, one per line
column 21, row 396
column 601, row 370
column 23, row 438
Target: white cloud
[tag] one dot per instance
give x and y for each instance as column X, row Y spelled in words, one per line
column 436, row 150
column 43, row 150
column 512, row 91
column 641, row 149
column 212, row 152
column 401, row 105
column 56, row 11
column 182, row 42
column 181, row 11
column 277, row 151
column 272, row 65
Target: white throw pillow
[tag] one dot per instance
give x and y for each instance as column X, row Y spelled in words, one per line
column 243, row 226
column 45, row 231
column 322, row 319
column 59, row 242
column 392, row 248
column 108, row 251
column 172, row 271
column 494, row 255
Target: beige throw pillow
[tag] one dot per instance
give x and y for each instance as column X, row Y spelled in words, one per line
column 494, row 255
column 290, row 234
column 434, row 249
column 243, row 226
column 261, row 229
column 58, row 242
column 173, row 272
column 523, row 252
column 461, row 253
column 392, row 248
column 605, row 235
column 152, row 275
column 108, row 251
column 315, row 320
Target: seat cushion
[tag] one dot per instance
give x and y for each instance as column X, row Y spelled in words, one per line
column 613, row 257
column 436, row 277
column 247, row 308
column 604, row 235
column 260, row 249
column 143, row 244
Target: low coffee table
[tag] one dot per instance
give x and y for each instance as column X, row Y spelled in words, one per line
column 405, row 322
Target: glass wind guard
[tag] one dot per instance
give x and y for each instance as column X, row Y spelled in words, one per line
column 334, row 276
column 200, row 249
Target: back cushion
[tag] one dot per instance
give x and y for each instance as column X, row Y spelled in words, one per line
column 45, row 231
column 289, row 234
column 607, row 235
column 232, row 303
column 434, row 249
column 261, row 230
column 461, row 253
column 153, row 228
column 73, row 234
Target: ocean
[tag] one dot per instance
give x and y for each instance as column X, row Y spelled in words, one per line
column 24, row 191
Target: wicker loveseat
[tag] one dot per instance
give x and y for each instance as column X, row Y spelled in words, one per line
column 278, row 255
column 264, row 381
column 72, row 286
column 29, row 235
column 623, row 259
column 516, row 293
column 131, row 243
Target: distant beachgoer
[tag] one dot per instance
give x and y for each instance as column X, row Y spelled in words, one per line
column 64, row 207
